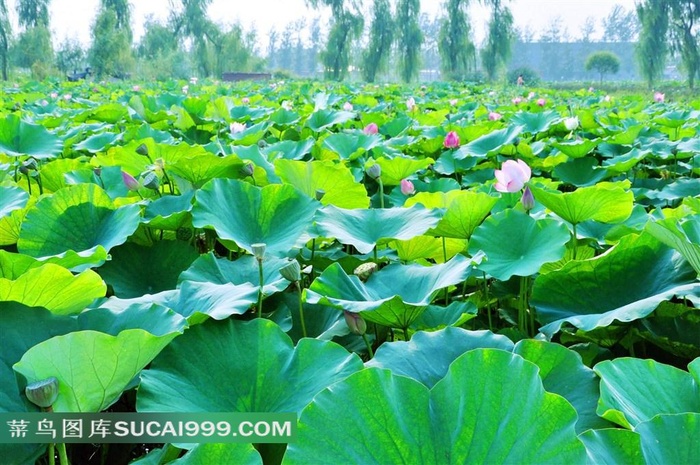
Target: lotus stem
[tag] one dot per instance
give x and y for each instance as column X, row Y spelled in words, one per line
column 405, row 334
column 488, row 302
column 52, row 454
column 523, row 310
column 301, row 310
column 260, row 290
column 369, row 346
column 29, row 184
column 444, row 256
column 62, row 455
column 575, row 241
column 381, row 192
column 313, row 248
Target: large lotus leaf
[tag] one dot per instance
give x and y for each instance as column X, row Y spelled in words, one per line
column 235, row 366
column 20, row 138
column 208, row 454
column 677, row 236
column 577, row 148
column 397, row 168
column 335, row 179
column 363, row 228
column 613, row 446
column 465, row 210
column 427, row 356
column 668, row 439
column 624, row 284
column 169, row 212
column 580, row 172
column 154, row 318
column 322, row 119
column 209, row 269
column 394, row 296
column 436, row 317
column 98, row 142
column 14, row 265
column 78, row 218
column 11, row 199
column 248, row 215
column 108, row 113
column 538, row 242
column 488, row 143
column 633, row 390
column 351, row 146
column 536, row 122
column 506, row 417
column 219, row 301
column 54, row 288
column 428, row 247
column 564, row 373
column 92, row 368
column 604, row 202
column 200, row 166
column 135, row 270
column 289, row 149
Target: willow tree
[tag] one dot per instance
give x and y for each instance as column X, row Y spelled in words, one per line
column 5, row 36
column 33, row 13
column 409, row 38
column 381, row 36
column 496, row 52
column 457, row 51
column 652, row 47
column 685, row 35
column 122, row 11
column 346, row 26
column 34, row 41
column 191, row 22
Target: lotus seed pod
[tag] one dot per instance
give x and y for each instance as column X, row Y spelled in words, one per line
column 259, row 250
column 355, row 322
column 374, row 171
column 43, row 393
column 365, row 270
column 142, row 150
column 319, row 194
column 291, row 271
column 248, row 169
column 150, row 180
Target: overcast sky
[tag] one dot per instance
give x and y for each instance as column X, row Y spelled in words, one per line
column 72, row 18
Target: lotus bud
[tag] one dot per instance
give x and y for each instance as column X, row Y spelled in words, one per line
column 287, row 105
column 411, row 104
column 453, row 102
column 248, row 169
column 528, row 200
column 236, row 127
column 43, row 393
column 130, row 182
column 136, row 88
column 97, row 171
column 571, row 123
column 142, row 150
column 150, row 180
column 494, row 116
column 407, row 187
column 259, row 250
column 531, row 95
column 365, row 270
column 659, row 97
column 54, row 95
column 355, row 322
column 371, row 128
column 374, row 171
column 28, row 166
column 541, row 102
column 291, row 271
column 193, row 80
column 245, row 100
column 319, row 194
column 451, row 140
column 347, row 106
column 517, row 100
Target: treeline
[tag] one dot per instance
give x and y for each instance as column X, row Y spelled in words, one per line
column 372, row 40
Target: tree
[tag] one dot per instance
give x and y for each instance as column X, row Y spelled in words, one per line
column 409, row 38
column 70, row 56
column 603, row 63
column 158, row 40
column 122, row 10
column 685, row 35
column 588, row 30
column 381, row 36
column 190, row 22
column 33, row 46
column 621, row 25
column 33, row 13
column 110, row 52
column 553, row 33
column 346, row 25
column 5, row 37
column 456, row 48
column 498, row 43
column 652, row 46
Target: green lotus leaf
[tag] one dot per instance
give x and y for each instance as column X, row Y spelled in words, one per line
column 488, row 143
column 135, row 270
column 564, row 373
column 671, row 438
column 351, row 146
column 76, row 218
column 363, row 228
column 633, row 390
column 236, row 366
column 154, row 318
column 679, row 189
column 200, row 166
column 436, row 317
column 98, row 142
column 613, row 446
column 534, row 123
column 388, row 418
column 428, row 247
column 394, row 296
column 209, row 269
column 218, row 301
column 282, row 117
column 580, row 172
column 289, row 149
column 465, row 210
column 109, row 113
column 576, row 148
column 54, row 172
column 427, row 356
column 336, row 180
column 625, row 284
column 322, row 119
column 684, row 237
column 54, row 288
column 322, row 323
column 92, row 368
column 248, row 215
column 260, row 162
column 397, row 168
column 539, row 242
column 207, row 454
column 14, row 265
column 21, row 138
column 11, row 199
column 169, row 212
column 604, row 202
column 623, row 163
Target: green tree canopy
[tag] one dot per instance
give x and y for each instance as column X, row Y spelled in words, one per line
column 498, row 43
column 652, row 47
column 409, row 39
column 5, row 37
column 33, row 13
column 456, row 48
column 603, row 63
column 381, row 36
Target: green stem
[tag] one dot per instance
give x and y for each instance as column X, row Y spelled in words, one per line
column 313, row 249
column 375, row 255
column 381, row 192
column 488, row 302
column 444, row 257
column 29, row 183
column 369, row 346
column 301, row 311
column 52, row 454
column 62, row 455
column 260, row 290
column 38, row 181
column 405, row 334
column 522, row 311
column 575, row 241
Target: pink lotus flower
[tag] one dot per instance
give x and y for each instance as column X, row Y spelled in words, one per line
column 287, row 105
column 371, row 128
column 411, row 104
column 659, row 97
column 54, row 95
column 517, row 100
column 67, row 97
column 541, row 102
column 136, row 88
column 407, row 187
column 494, row 116
column 512, row 176
column 236, row 127
column 347, row 106
column 528, row 200
column 245, row 100
column 453, row 102
column 451, row 140
column 607, row 98
column 591, row 89
column 43, row 102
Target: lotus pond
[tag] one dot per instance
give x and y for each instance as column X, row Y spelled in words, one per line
column 434, row 275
